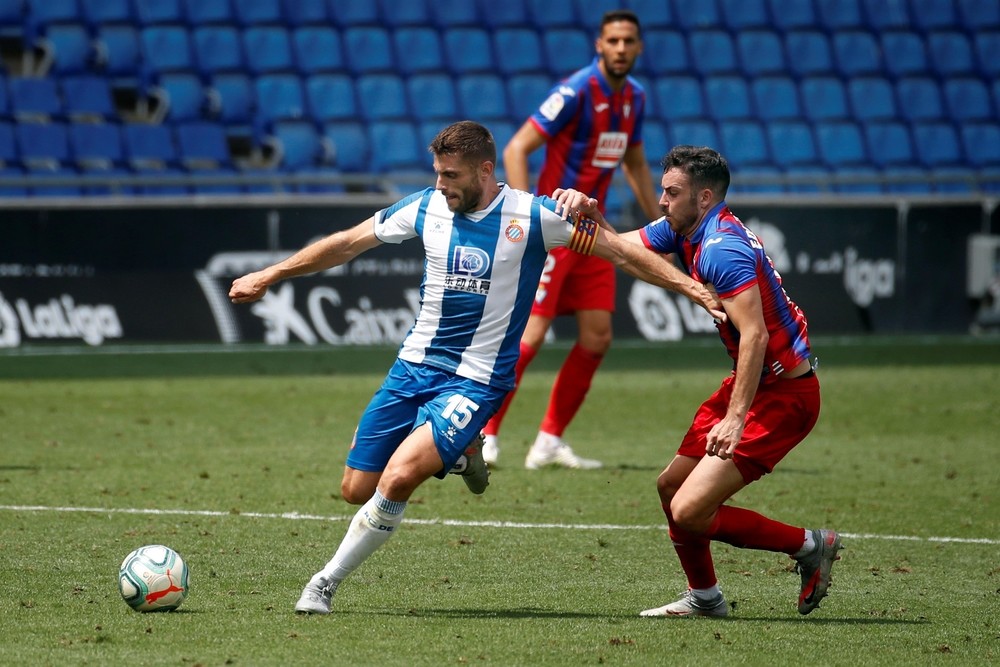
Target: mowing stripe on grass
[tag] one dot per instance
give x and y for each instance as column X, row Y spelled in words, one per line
column 295, row 516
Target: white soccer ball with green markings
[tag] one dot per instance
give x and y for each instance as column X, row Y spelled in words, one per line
column 153, row 578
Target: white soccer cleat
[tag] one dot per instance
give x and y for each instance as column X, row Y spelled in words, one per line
column 551, row 450
column 317, row 597
column 491, row 449
column 689, row 605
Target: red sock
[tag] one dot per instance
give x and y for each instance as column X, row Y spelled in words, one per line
column 695, row 554
column 526, row 355
column 570, row 389
column 747, row 529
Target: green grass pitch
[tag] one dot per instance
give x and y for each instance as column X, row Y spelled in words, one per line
column 234, row 459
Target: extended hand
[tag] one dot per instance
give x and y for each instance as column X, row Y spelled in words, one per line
column 249, row 288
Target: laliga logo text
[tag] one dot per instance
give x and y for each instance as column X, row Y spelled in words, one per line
column 58, row 318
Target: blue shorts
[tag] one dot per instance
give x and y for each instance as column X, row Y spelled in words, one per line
column 456, row 409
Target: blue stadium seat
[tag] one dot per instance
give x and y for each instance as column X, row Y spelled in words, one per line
column 506, row 14
column 449, row 14
column 268, row 50
column 96, row 145
column 775, row 98
column 978, row 15
column 394, row 146
column 368, row 50
column 808, row 53
column 181, row 96
column 40, row 14
column 548, row 14
column 417, row 50
column 231, row 101
column 981, row 142
column 887, row 15
column 950, row 54
column 678, row 98
column 34, row 99
column 354, row 14
column 697, row 15
column 278, row 97
column 654, row 14
column 432, row 97
column 987, row 45
column 482, row 96
column 967, row 99
column 468, row 50
column 840, row 144
column 791, row 144
column 317, row 49
column 888, row 144
column 823, row 98
column 5, row 111
column 330, row 97
column 8, row 145
column 589, row 12
column 934, row 14
column 149, row 146
column 12, row 19
column 118, row 54
column 568, row 49
column 43, row 145
column 857, row 53
column 519, row 51
column 218, row 48
column 102, row 12
column 738, row 15
column 835, row 15
column 526, row 92
column 306, row 12
column 655, row 140
column 744, row 144
column 727, row 97
column 165, row 48
column 792, row 15
column 67, row 49
column 203, row 151
column 258, row 12
column 664, row 53
column 904, row 53
column 760, row 52
column 400, row 13
column 871, row 98
column 712, row 52
column 299, row 145
column 694, row 133
column 919, row 99
column 207, row 12
column 937, row 144
column 382, row 97
column 349, row 145
column 157, row 12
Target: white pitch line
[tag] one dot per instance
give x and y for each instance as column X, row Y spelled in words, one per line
column 296, row 516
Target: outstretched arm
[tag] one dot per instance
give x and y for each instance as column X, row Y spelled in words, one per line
column 334, row 250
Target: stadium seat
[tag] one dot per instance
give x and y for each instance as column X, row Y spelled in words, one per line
column 743, row 143
column 96, row 145
column 808, row 53
column 775, row 98
column 968, row 100
column 432, row 97
column 568, row 49
column 727, row 97
column 936, row 144
column 159, row 12
column 34, row 99
column 697, row 15
column 519, row 51
column 42, row 145
column 857, row 53
column 97, row 13
column 887, row 15
column 181, row 97
column 981, row 143
column 836, row 15
column 317, row 49
column 589, row 12
column 418, row 50
column 401, row 13
column 791, row 144
column 87, row 97
column 506, row 14
column 299, row 145
column 664, row 53
column 930, row 15
column 330, row 97
column 739, row 15
column 149, row 146
column 526, row 92
column 67, row 49
column 450, row 14
column 306, row 12
column 950, row 54
column 118, row 54
column 204, row 152
column 678, row 98
column 823, row 98
column 840, row 144
column 5, row 111
column 904, row 53
column 655, row 140
column 231, row 98
column 218, row 48
column 888, row 144
column 394, row 147
column 654, row 14
column 792, row 15
column 760, row 52
column 354, row 14
column 712, row 52
column 349, row 145
column 468, row 50
column 258, row 12
column 207, row 12
column 919, row 99
column 482, row 96
column 165, row 48
column 976, row 15
column 871, row 98
column 39, row 15
column 987, row 44
column 548, row 14
column 277, row 97
column 382, row 97
column 268, row 50
column 694, row 133
column 368, row 50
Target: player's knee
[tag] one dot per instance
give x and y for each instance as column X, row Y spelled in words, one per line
column 689, row 517
column 666, row 488
column 595, row 342
column 354, row 493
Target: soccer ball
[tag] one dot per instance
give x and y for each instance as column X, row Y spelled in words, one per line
column 153, row 578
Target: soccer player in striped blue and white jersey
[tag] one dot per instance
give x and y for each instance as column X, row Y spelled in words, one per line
column 485, row 245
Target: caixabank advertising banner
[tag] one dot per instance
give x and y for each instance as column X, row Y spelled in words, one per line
column 162, row 275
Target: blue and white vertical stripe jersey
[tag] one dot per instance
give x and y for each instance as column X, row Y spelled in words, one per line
column 481, row 270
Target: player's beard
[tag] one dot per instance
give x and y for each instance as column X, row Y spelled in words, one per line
column 617, row 70
column 468, row 199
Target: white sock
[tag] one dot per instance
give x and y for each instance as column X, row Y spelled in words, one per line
column 707, row 594
column 807, row 545
column 373, row 524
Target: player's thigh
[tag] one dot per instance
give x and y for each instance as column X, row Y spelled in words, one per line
column 457, row 413
column 388, row 419
column 712, row 482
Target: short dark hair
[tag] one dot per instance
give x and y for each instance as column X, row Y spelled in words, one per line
column 704, row 166
column 620, row 15
column 466, row 139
